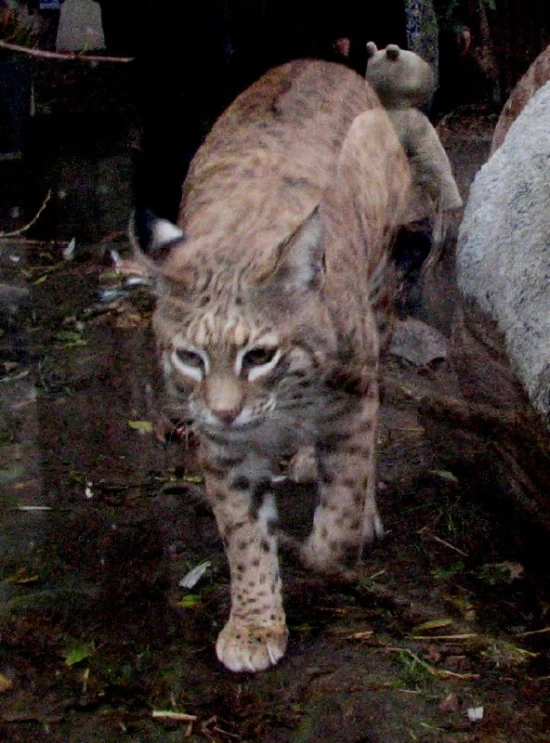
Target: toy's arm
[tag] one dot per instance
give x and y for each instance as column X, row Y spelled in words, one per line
column 430, row 167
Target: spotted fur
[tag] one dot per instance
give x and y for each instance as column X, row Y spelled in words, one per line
column 273, row 300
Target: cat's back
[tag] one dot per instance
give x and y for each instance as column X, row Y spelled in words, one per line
column 272, row 154
column 313, row 96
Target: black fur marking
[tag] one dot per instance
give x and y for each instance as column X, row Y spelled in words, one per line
column 333, row 441
column 240, row 483
column 347, row 381
column 296, row 182
column 214, row 438
column 259, row 491
column 326, row 476
column 330, row 444
column 227, row 463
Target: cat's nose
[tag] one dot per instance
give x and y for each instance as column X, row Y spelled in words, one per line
column 226, row 415
column 224, row 397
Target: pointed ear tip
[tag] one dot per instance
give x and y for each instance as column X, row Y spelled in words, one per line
column 165, row 231
column 151, row 233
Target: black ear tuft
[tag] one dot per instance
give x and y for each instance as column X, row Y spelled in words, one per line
column 151, row 235
column 141, row 230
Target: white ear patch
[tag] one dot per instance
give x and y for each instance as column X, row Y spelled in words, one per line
column 164, row 232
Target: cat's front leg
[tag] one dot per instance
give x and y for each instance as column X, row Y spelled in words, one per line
column 346, row 517
column 255, row 637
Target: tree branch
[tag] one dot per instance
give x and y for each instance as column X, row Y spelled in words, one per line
column 62, row 56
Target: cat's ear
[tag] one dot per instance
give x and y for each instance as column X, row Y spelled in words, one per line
column 301, row 257
column 152, row 237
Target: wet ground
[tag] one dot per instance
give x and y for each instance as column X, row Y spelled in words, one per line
column 445, row 635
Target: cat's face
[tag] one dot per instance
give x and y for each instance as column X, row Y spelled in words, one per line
column 244, row 352
column 242, row 372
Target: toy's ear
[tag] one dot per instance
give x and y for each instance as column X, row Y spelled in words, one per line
column 392, row 52
column 371, row 49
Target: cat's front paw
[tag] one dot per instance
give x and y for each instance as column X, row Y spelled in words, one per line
column 248, row 647
column 331, row 546
column 317, row 556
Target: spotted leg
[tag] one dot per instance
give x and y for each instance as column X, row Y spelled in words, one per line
column 255, row 637
column 346, row 516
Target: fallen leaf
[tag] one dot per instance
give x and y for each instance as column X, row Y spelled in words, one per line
column 433, row 624
column 68, row 336
column 444, row 475
column 191, row 579
column 189, row 601
column 78, row 653
column 141, row 426
column 475, row 714
column 21, row 577
column 193, row 479
column 6, row 684
column 69, row 251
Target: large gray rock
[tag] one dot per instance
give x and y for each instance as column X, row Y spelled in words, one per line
column 503, row 260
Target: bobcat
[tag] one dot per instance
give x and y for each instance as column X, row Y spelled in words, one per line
column 273, row 297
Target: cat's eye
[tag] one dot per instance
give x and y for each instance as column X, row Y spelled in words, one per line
column 258, row 357
column 189, row 358
column 189, row 362
column 255, row 361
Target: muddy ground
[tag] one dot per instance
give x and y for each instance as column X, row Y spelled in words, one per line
column 443, row 638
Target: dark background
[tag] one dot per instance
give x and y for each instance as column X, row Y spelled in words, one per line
column 191, row 59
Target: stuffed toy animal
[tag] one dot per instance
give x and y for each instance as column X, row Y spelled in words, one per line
column 405, row 83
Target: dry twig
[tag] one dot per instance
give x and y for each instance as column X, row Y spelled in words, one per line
column 166, row 714
column 62, row 56
column 425, row 532
column 35, row 219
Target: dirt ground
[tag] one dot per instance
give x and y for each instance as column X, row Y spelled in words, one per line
column 444, row 637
